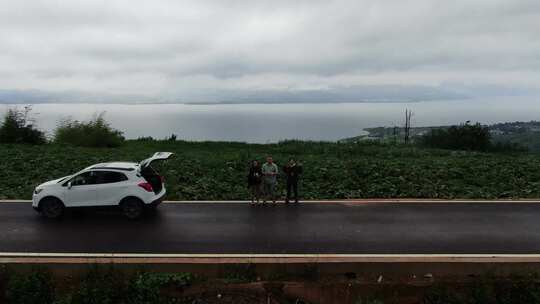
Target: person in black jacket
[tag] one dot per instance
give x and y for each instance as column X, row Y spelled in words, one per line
column 254, row 181
column 293, row 170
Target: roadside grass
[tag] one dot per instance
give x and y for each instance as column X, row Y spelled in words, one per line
column 239, row 273
column 109, row 285
column 522, row 288
column 30, row 288
column 217, row 170
column 97, row 286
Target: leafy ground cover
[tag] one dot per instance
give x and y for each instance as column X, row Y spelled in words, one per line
column 217, row 170
column 102, row 285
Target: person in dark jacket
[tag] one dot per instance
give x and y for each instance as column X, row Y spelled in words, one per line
column 292, row 170
column 254, row 181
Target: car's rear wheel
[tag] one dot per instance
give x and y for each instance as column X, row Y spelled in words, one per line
column 51, row 207
column 132, row 208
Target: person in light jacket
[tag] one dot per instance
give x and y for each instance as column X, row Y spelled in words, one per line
column 270, row 172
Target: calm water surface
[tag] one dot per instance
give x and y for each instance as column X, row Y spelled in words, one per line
column 269, row 123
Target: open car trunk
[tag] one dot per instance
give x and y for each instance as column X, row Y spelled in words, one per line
column 153, row 177
column 150, row 174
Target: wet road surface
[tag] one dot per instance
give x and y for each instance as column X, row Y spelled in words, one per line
column 333, row 228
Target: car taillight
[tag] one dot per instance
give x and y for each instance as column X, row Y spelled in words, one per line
column 146, row 186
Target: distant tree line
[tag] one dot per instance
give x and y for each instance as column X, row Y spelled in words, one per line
column 173, row 137
column 467, row 136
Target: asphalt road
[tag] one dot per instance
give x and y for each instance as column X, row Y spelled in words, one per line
column 333, row 228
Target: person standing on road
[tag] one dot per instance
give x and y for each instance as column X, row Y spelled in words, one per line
column 292, row 170
column 254, row 181
column 270, row 172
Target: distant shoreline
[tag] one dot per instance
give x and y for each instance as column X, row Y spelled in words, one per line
column 225, row 102
column 305, row 102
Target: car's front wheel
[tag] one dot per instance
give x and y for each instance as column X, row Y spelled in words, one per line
column 51, row 208
column 132, row 208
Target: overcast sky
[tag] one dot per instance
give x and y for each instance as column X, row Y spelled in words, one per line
column 203, row 50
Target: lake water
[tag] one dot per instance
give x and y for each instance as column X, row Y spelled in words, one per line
column 270, row 123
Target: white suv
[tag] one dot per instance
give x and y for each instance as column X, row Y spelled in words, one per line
column 132, row 186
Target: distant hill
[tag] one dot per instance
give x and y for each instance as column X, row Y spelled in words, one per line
column 351, row 94
column 524, row 133
column 338, row 94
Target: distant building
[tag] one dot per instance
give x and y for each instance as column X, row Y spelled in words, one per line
column 370, row 137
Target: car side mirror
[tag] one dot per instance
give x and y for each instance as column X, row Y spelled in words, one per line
column 69, row 185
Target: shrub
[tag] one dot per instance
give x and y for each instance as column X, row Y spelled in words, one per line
column 518, row 290
column 17, row 128
column 508, row 147
column 486, row 290
column 463, row 137
column 94, row 133
column 240, row 273
column 368, row 301
column 35, row 287
column 100, row 286
column 147, row 287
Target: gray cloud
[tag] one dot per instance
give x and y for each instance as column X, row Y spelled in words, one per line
column 179, row 50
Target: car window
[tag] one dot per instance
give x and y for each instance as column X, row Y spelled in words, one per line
column 107, row 177
column 86, row 178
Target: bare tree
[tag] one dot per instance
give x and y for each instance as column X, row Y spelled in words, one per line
column 27, row 120
column 408, row 116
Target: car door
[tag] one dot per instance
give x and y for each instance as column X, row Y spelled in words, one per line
column 81, row 190
column 111, row 187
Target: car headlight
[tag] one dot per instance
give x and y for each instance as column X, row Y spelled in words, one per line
column 38, row 190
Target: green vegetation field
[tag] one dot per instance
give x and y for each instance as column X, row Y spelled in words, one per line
column 216, row 170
